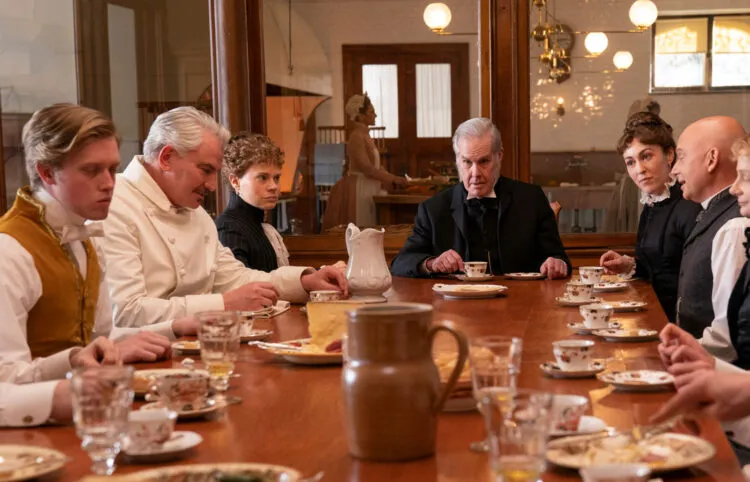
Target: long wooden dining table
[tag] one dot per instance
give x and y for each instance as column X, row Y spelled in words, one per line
column 292, row 415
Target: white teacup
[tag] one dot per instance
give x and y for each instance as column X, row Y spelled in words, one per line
column 596, row 315
column 573, row 355
column 591, row 274
column 616, row 473
column 150, row 428
column 578, row 290
column 567, row 411
column 475, row 269
column 325, row 295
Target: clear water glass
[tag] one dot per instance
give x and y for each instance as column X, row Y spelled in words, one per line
column 102, row 399
column 495, row 362
column 517, row 424
column 219, row 335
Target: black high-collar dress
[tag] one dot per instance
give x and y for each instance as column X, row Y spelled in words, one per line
column 240, row 229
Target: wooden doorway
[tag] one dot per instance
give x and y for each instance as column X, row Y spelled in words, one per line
column 418, row 144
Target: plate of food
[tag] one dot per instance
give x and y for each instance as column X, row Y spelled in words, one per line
column 142, row 378
column 604, row 287
column 638, row 334
column 662, row 453
column 564, row 300
column 586, row 425
column 638, row 380
column 629, row 305
column 218, row 473
column 468, row 291
column 461, row 399
column 525, row 276
column 24, row 462
column 187, row 347
column 304, row 352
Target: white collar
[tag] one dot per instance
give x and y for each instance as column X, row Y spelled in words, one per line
column 491, row 195
column 55, row 214
column 651, row 199
column 140, row 178
column 707, row 201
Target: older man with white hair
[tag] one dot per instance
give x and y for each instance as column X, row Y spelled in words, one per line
column 163, row 253
column 487, row 217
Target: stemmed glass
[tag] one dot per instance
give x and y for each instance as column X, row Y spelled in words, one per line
column 495, row 363
column 102, row 399
column 219, row 335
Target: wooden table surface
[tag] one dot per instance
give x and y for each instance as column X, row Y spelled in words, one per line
column 292, row 415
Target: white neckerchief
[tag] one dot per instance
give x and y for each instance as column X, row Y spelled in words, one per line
column 67, row 225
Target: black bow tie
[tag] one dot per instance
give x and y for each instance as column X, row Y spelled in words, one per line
column 746, row 244
column 483, row 204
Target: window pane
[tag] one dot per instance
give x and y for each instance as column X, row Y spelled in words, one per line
column 679, row 70
column 731, row 52
column 381, row 84
column 681, row 36
column 434, row 100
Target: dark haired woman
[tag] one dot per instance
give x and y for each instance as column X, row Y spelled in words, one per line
column 351, row 199
column 648, row 148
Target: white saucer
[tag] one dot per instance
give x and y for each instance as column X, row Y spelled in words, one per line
column 192, row 347
column 468, row 291
column 610, row 287
column 364, row 299
column 206, row 409
column 627, row 305
column 255, row 335
column 586, row 425
column 565, row 301
column 178, row 443
column 463, row 277
column 581, row 329
column 639, row 334
column 552, row 369
column 639, row 380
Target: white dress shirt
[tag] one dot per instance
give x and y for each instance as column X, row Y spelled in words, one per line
column 727, row 259
column 21, row 288
column 26, row 405
column 166, row 262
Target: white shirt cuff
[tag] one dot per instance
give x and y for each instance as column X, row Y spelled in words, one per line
column 165, row 328
column 26, row 405
column 56, row 366
column 199, row 303
column 288, row 282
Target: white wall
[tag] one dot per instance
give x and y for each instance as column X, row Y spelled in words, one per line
column 597, row 126
column 37, row 54
column 376, row 22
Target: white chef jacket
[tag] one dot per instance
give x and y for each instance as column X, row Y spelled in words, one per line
column 21, row 288
column 167, row 262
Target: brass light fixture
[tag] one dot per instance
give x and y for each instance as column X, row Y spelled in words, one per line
column 437, row 16
column 556, row 40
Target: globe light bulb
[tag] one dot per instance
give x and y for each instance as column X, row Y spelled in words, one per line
column 623, row 60
column 596, row 43
column 643, row 14
column 437, row 16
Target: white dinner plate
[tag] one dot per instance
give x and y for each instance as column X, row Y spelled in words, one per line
column 580, row 327
column 468, row 291
column 565, row 301
column 638, row 380
column 189, row 472
column 254, row 335
column 24, row 462
column 621, row 335
column 662, row 453
column 629, row 305
column 552, row 369
column 179, row 442
column 304, row 356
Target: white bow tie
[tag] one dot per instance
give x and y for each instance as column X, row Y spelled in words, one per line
column 72, row 232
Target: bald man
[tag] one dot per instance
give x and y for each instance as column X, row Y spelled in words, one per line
column 713, row 253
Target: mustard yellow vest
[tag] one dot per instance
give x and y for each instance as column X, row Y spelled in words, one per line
column 64, row 315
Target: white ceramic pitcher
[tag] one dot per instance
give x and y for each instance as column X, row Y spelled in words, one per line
column 367, row 270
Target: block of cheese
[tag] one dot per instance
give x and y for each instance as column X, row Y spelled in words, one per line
column 327, row 322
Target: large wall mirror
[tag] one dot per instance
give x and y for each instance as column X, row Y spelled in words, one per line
column 591, row 67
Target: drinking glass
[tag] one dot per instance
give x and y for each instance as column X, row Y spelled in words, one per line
column 219, row 335
column 102, row 398
column 517, row 424
column 495, row 362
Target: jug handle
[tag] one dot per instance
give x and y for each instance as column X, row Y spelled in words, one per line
column 463, row 353
column 351, row 230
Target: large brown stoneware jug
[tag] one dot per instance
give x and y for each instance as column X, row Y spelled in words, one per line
column 390, row 384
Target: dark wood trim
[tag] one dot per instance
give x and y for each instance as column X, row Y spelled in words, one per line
column 92, row 55
column 237, row 69
column 3, row 203
column 509, row 83
column 485, row 59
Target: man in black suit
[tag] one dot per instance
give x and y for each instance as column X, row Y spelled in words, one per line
column 485, row 218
